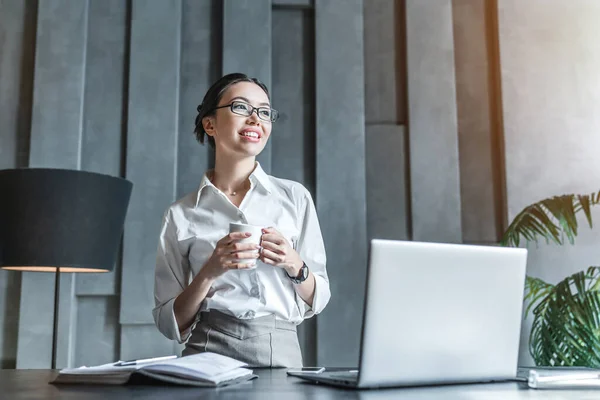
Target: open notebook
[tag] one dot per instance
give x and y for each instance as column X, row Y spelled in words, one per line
column 203, row 369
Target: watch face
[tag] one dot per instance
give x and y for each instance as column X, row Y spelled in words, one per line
column 304, row 272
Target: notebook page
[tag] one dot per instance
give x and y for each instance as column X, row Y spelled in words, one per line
column 202, row 365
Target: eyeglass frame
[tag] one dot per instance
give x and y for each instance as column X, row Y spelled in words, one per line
column 257, row 109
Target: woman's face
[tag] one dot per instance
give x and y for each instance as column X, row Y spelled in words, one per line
column 238, row 135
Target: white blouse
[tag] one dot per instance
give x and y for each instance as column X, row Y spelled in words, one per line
column 194, row 224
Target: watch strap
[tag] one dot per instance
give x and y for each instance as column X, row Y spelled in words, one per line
column 302, row 274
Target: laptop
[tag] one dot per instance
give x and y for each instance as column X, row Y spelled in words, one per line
column 437, row 314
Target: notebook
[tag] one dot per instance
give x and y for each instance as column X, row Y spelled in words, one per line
column 560, row 377
column 203, row 369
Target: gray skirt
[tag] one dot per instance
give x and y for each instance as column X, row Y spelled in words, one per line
column 259, row 342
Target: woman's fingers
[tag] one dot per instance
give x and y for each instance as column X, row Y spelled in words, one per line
column 236, row 264
column 273, row 238
column 271, row 257
column 242, row 247
column 273, row 247
column 232, row 237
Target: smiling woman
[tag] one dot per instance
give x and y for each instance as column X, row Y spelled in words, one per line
column 220, row 291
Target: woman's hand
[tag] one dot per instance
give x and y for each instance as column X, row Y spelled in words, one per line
column 228, row 253
column 277, row 251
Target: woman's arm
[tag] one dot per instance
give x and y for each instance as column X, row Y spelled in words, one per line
column 226, row 256
column 310, row 250
column 188, row 302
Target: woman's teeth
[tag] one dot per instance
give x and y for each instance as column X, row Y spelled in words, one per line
column 250, row 134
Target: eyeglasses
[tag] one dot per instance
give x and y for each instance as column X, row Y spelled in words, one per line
column 240, row 108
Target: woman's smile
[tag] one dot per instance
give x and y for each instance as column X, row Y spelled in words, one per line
column 252, row 135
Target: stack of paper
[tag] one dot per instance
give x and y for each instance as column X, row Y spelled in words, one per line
column 203, row 369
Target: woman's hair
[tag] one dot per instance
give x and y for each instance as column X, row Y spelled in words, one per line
column 212, row 98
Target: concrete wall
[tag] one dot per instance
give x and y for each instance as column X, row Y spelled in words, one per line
column 448, row 118
column 551, row 93
column 94, row 85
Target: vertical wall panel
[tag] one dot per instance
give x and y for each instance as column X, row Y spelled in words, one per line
column 476, row 134
column 293, row 137
column 144, row 341
column 151, row 152
column 434, row 169
column 383, row 83
column 17, row 50
column 200, row 67
column 97, row 330
column 103, row 111
column 247, row 46
column 341, row 200
column 55, row 142
column 387, row 202
column 17, row 56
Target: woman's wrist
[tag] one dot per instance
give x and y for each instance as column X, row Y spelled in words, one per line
column 205, row 277
column 294, row 269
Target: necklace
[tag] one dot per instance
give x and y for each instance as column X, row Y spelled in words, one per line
column 233, row 192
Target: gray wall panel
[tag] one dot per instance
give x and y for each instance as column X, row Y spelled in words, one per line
column 36, row 320
column 103, row 111
column 247, row 46
column 10, row 285
column 434, row 168
column 293, row 140
column 67, row 320
column 200, row 67
column 17, row 49
column 55, row 142
column 297, row 4
column 97, row 330
column 151, row 147
column 383, row 83
column 144, row 341
column 293, row 137
column 476, row 135
column 58, row 93
column 387, row 192
column 341, row 200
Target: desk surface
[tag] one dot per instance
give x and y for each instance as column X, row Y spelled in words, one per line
column 271, row 384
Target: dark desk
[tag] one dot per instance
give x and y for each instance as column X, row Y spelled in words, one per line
column 271, row 384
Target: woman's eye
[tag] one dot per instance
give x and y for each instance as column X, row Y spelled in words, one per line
column 265, row 113
column 240, row 106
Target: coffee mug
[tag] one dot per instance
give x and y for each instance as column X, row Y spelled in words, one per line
column 256, row 232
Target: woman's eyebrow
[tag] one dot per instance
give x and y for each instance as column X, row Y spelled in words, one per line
column 248, row 101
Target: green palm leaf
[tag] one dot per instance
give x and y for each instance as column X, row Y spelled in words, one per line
column 566, row 325
column 550, row 219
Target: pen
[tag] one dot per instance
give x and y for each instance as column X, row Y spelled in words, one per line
column 142, row 361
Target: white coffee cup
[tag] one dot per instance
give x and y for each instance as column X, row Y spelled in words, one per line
column 256, row 232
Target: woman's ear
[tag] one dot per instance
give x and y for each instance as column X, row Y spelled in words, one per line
column 208, row 123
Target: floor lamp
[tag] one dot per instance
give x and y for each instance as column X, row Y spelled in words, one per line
column 58, row 220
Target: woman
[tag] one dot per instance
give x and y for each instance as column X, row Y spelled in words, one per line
column 204, row 295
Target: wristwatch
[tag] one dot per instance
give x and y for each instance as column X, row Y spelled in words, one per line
column 302, row 275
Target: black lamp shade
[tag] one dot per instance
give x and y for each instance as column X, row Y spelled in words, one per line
column 57, row 218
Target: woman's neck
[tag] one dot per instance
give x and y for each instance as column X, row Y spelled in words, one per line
column 230, row 176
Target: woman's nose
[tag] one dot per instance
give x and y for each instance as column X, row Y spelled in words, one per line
column 254, row 117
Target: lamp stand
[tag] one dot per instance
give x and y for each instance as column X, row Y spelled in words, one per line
column 55, row 320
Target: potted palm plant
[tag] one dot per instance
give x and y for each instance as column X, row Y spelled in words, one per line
column 566, row 316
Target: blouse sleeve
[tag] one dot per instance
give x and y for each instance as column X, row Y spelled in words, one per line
column 311, row 249
column 170, row 279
